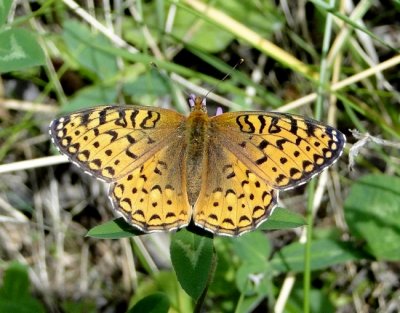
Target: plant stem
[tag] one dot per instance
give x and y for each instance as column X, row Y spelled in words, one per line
column 307, row 252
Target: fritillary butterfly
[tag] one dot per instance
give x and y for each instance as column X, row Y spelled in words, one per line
column 223, row 172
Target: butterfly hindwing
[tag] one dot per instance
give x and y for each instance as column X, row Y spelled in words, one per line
column 153, row 197
column 233, row 199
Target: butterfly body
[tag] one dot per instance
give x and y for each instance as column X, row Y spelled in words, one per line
column 223, row 172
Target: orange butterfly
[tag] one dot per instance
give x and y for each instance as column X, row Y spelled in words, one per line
column 224, row 172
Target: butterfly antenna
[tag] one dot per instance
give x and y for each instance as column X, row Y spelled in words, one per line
column 225, row 77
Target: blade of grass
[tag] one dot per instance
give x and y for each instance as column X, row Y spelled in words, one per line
column 323, row 78
column 331, row 9
column 242, row 32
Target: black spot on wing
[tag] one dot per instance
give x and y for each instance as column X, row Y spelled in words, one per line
column 263, row 144
column 244, row 124
column 274, row 128
column 113, row 134
column 133, row 118
column 261, row 118
column 121, row 121
column 262, row 160
column 280, row 142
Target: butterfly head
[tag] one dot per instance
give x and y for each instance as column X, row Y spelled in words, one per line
column 197, row 103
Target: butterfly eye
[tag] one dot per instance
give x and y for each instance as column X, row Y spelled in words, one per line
column 192, row 100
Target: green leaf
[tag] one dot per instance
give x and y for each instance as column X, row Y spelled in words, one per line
column 324, row 253
column 14, row 293
column 253, row 278
column 319, row 301
column 372, row 211
column 155, row 303
column 204, row 35
column 165, row 283
column 150, row 83
column 15, row 282
column 263, row 17
column 191, row 257
column 283, row 219
column 91, row 96
column 24, row 305
column 249, row 304
column 86, row 46
column 114, row 229
column 5, row 6
column 252, row 247
column 19, row 50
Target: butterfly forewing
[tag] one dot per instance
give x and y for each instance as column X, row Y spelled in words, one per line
column 284, row 150
column 109, row 142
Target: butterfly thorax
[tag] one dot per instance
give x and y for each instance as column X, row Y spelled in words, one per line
column 197, row 126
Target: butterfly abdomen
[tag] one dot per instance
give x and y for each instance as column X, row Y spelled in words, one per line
column 197, row 142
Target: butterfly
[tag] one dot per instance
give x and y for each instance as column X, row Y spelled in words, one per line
column 223, row 172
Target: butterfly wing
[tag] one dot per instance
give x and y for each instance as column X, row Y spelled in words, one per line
column 153, row 197
column 130, row 146
column 108, row 142
column 251, row 156
column 284, row 150
column 233, row 199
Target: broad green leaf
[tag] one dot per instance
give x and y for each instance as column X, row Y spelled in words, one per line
column 15, row 282
column 225, row 271
column 164, row 282
column 283, row 219
column 19, row 50
column 249, row 303
column 263, row 17
column 253, row 277
column 203, row 34
column 114, row 229
column 85, row 48
column 24, row 305
column 254, row 282
column 14, row 292
column 324, row 253
column 200, row 33
column 253, row 247
column 155, row 303
column 372, row 211
column 319, row 301
column 90, row 97
column 5, row 6
column 150, row 83
column 191, row 257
